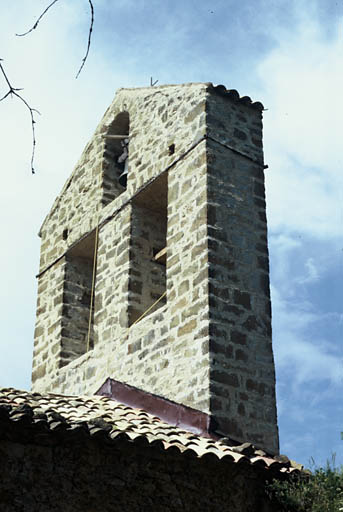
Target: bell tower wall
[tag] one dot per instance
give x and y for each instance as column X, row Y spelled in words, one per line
column 173, row 267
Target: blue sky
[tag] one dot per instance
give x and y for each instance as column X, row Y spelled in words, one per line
column 289, row 55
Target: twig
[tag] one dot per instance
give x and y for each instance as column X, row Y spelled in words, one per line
column 14, row 92
column 38, row 20
column 89, row 37
column 89, row 32
column 152, row 83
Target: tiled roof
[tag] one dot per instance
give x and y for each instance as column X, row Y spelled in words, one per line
column 234, row 96
column 41, row 418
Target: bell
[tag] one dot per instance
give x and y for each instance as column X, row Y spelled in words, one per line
column 123, row 162
column 123, row 177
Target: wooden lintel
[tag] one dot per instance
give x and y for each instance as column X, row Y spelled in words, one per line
column 161, row 256
column 116, row 136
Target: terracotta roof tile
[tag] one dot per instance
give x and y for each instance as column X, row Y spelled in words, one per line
column 104, row 418
column 234, row 96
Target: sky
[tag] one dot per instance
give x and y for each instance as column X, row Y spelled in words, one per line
column 286, row 54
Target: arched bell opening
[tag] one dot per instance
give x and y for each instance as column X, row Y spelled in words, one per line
column 116, row 158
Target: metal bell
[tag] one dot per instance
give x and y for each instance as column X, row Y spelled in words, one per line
column 123, row 162
column 123, row 177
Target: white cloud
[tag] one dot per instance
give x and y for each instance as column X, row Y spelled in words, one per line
column 303, row 356
column 306, row 362
column 302, row 82
column 312, row 272
column 281, row 247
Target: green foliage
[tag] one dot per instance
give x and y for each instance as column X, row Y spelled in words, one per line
column 318, row 491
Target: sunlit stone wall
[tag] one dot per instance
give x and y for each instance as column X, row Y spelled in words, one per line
column 195, row 182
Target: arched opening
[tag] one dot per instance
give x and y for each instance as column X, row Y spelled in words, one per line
column 116, row 158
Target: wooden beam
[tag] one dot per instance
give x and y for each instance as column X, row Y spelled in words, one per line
column 116, row 136
column 161, row 256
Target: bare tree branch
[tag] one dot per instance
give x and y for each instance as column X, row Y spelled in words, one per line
column 38, row 20
column 12, row 91
column 89, row 37
column 89, row 32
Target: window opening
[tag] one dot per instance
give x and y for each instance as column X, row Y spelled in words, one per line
column 116, row 158
column 147, row 281
column 123, row 162
column 77, row 316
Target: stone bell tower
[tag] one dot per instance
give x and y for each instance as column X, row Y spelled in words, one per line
column 154, row 261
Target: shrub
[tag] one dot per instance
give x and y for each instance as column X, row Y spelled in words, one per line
column 318, row 491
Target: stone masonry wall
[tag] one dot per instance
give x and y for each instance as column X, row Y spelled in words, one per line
column 48, row 331
column 137, row 355
column 166, row 352
column 91, row 476
column 186, row 350
column 242, row 374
